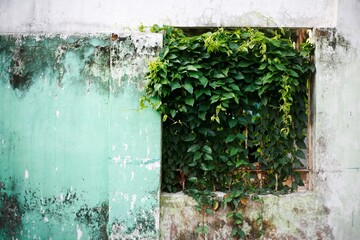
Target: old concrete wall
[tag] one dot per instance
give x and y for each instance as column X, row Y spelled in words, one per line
column 337, row 114
column 292, row 216
column 111, row 16
column 331, row 209
column 78, row 160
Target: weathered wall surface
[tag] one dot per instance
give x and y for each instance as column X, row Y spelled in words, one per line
column 110, row 16
column 292, row 216
column 337, row 114
column 330, row 211
column 78, row 159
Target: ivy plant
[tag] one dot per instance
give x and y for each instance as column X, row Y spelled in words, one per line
column 234, row 106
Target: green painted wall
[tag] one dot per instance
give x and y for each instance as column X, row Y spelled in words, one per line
column 78, row 159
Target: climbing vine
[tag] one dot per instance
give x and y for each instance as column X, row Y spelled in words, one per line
column 234, row 110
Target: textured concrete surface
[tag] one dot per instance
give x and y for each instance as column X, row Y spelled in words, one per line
column 78, row 159
column 292, row 216
column 335, row 164
column 111, row 16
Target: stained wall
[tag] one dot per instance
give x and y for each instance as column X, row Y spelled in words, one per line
column 78, row 157
column 333, row 203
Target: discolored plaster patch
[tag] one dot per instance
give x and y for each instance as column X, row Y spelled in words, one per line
column 95, row 218
column 292, row 216
column 141, row 226
column 332, row 37
column 11, row 213
column 79, row 60
column 129, row 58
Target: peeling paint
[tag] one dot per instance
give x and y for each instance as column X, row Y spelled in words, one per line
column 11, row 213
column 69, row 134
column 79, row 232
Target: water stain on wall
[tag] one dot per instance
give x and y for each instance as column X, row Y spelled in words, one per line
column 45, row 83
column 10, row 213
column 142, row 226
column 96, row 218
column 83, row 61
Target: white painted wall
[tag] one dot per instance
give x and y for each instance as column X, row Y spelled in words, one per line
column 79, row 16
column 337, row 128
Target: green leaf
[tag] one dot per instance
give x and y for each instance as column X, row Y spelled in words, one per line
column 189, row 101
column 172, row 56
column 191, row 68
column 230, row 138
column 218, row 75
column 233, row 232
column 197, row 156
column 198, row 94
column 233, row 45
column 163, row 74
column 208, row 157
column 232, row 123
column 207, row 149
column 267, row 78
column 300, row 154
column 188, row 87
column 235, row 87
column 173, row 113
column 207, row 91
column 204, row 81
column 202, row 115
column 191, row 137
column 164, row 117
column 301, row 144
column 240, row 162
column 233, row 151
column 239, row 76
column 250, row 88
column 214, row 98
column 293, row 73
column 264, row 101
column 210, row 166
column 192, row 179
column 230, row 215
column 244, row 64
column 263, row 66
column 280, row 66
column 204, row 167
column 174, row 85
column 241, row 136
column 164, row 51
column 193, row 148
column 193, row 74
column 225, row 71
column 193, row 164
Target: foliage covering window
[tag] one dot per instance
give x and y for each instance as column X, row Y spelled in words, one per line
column 233, row 101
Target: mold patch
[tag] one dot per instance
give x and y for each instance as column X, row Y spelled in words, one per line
column 129, row 59
column 332, row 37
column 143, row 226
column 10, row 214
column 96, row 218
column 49, row 206
column 83, row 61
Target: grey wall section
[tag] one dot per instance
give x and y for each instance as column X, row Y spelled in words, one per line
column 337, row 115
column 70, row 16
